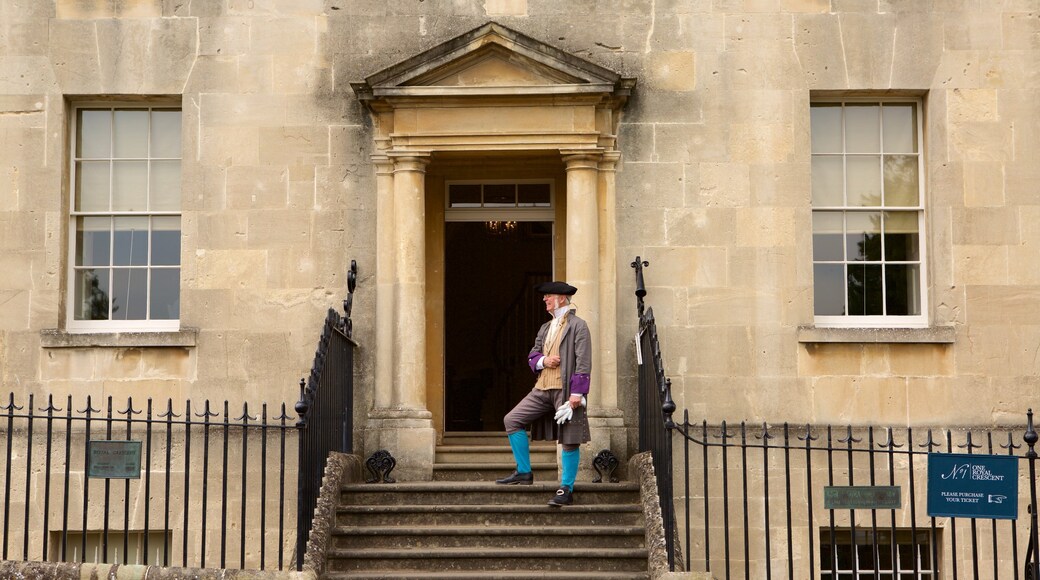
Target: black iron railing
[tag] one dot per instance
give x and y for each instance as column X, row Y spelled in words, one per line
column 211, row 490
column 753, row 506
column 655, row 409
column 326, row 410
column 200, row 468
column 751, row 496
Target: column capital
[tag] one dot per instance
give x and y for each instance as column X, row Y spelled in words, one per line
column 609, row 161
column 384, row 165
column 409, row 160
column 581, row 159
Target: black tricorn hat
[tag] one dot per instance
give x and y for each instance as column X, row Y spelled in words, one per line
column 562, row 288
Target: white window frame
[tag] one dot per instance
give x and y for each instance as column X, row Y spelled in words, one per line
column 864, row 538
column 883, row 321
column 72, row 325
column 481, row 214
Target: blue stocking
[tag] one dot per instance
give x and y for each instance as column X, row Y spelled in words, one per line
column 521, row 451
column 570, row 468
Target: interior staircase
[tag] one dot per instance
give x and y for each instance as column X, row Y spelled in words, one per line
column 463, row 525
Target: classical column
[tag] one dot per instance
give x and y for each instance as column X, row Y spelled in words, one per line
column 410, row 284
column 606, row 420
column 384, row 371
column 583, row 245
column 608, row 398
column 399, row 421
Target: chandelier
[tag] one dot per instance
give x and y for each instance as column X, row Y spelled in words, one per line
column 499, row 228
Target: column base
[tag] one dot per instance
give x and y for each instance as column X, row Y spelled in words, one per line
column 607, row 427
column 408, row 435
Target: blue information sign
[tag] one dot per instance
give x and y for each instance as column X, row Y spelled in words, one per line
column 972, row 486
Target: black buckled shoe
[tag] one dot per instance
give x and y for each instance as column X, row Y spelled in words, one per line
column 517, row 478
column 563, row 497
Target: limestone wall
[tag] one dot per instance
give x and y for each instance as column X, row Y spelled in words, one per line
column 712, row 188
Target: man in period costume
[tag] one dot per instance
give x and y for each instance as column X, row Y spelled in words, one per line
column 555, row 409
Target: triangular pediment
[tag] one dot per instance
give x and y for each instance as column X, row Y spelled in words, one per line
column 488, row 61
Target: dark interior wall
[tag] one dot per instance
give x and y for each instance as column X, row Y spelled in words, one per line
column 491, row 314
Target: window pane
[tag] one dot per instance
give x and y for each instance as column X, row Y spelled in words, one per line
column 862, row 128
column 166, row 241
column 829, row 289
column 92, row 185
column 864, row 290
column 863, row 236
column 924, row 551
column 901, row 182
column 902, row 288
column 166, row 133
column 866, row 555
column 825, row 120
column 165, row 186
column 130, row 186
column 129, row 293
column 464, row 195
column 500, row 195
column 91, row 294
column 94, row 133
column 845, row 558
column 827, row 188
column 900, row 127
column 828, row 233
column 131, row 241
column 885, row 556
column 825, row 556
column 131, row 133
column 93, row 241
column 533, row 194
column 863, row 180
column 166, row 296
column 902, row 240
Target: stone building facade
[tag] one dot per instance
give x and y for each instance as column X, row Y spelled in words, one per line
column 837, row 199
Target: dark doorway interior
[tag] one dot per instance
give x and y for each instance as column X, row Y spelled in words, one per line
column 491, row 316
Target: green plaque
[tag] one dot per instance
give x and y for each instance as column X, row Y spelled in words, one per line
column 114, row 459
column 865, row 497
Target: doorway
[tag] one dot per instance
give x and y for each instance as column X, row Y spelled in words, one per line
column 492, row 314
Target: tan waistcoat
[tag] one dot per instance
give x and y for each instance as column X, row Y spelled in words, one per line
column 550, row 379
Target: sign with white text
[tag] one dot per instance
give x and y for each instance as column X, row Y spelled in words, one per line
column 114, row 459
column 972, row 486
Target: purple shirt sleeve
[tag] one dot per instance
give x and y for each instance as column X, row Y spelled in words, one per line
column 579, row 384
column 532, row 360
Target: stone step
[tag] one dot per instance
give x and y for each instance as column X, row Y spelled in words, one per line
column 485, row 575
column 490, row 515
column 480, row 438
column 488, row 559
column 489, row 453
column 375, row 537
column 483, row 493
column 490, row 471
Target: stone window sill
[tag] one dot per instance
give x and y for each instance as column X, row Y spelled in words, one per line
column 928, row 335
column 183, row 338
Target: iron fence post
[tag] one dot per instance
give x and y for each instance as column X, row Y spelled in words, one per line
column 1032, row 561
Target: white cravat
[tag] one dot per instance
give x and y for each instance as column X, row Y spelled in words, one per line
column 554, row 327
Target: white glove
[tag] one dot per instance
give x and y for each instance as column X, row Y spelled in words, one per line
column 565, row 412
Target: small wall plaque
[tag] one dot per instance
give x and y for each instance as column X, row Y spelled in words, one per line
column 114, row 459
column 865, row 497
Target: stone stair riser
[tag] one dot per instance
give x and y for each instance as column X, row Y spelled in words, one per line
column 477, row 473
column 589, row 563
column 485, row 457
column 562, row 516
column 355, row 541
column 484, row 575
column 509, row 495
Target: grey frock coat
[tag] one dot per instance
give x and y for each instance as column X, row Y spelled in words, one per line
column 575, row 357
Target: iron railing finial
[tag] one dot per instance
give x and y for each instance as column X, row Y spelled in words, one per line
column 639, row 264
